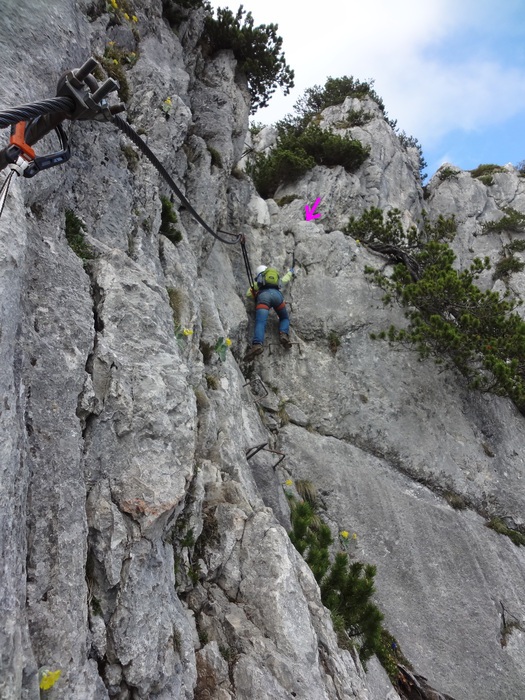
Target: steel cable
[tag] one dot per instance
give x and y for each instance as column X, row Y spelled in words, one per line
column 25, row 113
column 146, row 150
column 67, row 105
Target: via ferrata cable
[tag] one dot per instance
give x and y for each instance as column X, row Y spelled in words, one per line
column 146, row 150
column 80, row 97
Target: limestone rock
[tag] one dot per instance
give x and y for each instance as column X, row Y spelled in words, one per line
column 143, row 546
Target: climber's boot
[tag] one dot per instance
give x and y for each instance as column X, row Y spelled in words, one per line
column 252, row 352
column 285, row 340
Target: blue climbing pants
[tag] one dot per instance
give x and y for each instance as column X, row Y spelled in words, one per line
column 269, row 299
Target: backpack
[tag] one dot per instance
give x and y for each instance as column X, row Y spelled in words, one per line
column 269, row 278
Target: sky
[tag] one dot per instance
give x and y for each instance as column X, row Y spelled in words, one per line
column 451, row 72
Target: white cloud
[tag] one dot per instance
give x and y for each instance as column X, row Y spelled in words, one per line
column 470, row 96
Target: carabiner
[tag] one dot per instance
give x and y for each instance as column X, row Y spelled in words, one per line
column 18, row 148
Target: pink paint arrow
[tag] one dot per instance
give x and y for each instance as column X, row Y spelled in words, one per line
column 309, row 213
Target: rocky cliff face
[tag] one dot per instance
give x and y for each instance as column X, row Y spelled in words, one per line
column 142, row 553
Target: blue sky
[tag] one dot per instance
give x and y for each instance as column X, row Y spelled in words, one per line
column 452, row 72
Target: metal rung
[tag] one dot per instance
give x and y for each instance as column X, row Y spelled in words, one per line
column 252, row 451
column 257, row 380
column 275, row 452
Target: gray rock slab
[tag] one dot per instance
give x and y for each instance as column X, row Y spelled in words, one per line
column 441, row 574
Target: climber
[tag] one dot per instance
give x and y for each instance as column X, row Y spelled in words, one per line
column 267, row 293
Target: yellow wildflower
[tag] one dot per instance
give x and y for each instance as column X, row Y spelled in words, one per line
column 354, row 536
column 344, row 534
column 114, row 4
column 134, row 18
column 167, row 100
column 115, row 61
column 228, row 342
column 49, row 678
column 288, row 482
column 126, row 16
column 187, row 331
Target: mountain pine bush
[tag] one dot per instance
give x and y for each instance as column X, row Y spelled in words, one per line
column 334, row 92
column 258, row 51
column 512, row 222
column 346, row 587
column 451, row 319
column 296, row 153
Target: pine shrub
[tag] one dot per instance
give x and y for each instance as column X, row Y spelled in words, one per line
column 279, row 166
column 479, row 333
column 512, row 222
column 346, row 588
column 486, row 169
column 373, row 225
column 258, row 51
column 334, row 92
column 448, row 173
column 296, row 153
column 331, row 149
column 506, row 265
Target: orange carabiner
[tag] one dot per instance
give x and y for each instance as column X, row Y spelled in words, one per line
column 18, row 139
